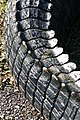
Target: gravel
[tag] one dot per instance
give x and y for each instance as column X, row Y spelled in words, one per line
column 14, row 106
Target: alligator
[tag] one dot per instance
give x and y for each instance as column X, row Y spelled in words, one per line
column 42, row 49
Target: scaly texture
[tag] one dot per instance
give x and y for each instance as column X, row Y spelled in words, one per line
column 39, row 64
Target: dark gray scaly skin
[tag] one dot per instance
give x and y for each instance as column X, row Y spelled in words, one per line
column 41, row 69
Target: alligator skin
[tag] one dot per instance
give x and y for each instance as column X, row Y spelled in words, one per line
column 42, row 70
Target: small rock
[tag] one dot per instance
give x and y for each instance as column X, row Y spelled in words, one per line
column 16, row 90
column 17, row 107
column 2, row 116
